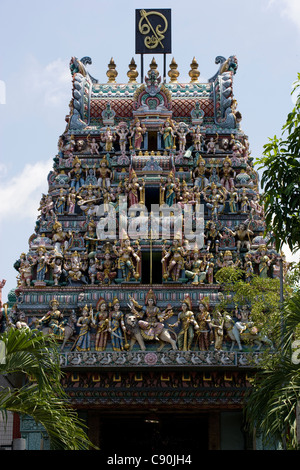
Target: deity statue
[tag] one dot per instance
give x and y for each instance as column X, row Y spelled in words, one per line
column 168, row 131
column 168, row 190
column 188, row 325
column 60, row 239
column 173, row 260
column 217, row 325
column 136, row 132
column 134, row 189
column 117, row 327
column 199, row 174
column 25, row 270
column 109, row 137
column 57, row 266
column 104, row 174
column 60, row 202
column 71, row 201
column 225, row 260
column 102, row 325
column 227, row 180
column 122, row 132
column 90, row 237
column 85, row 323
column 75, row 268
column 76, row 174
column 151, row 326
column 92, row 145
column 215, row 198
column 197, row 138
column 197, row 269
column 203, row 319
column 54, row 320
column 242, row 235
column 182, row 130
column 107, row 270
column 212, row 236
column 211, row 144
column 21, row 323
column 41, row 260
column 128, row 260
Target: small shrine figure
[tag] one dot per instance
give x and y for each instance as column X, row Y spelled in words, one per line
column 263, row 260
column 233, row 201
column 168, row 131
column 227, row 180
column 90, row 237
column 136, row 132
column 54, row 320
column 134, row 189
column 244, row 200
column 60, row 239
column 225, row 260
column 92, row 145
column 188, row 325
column 85, row 323
column 117, row 327
column 196, row 271
column 93, row 267
column 128, row 260
column 199, row 174
column 203, row 319
column 108, row 137
column 46, row 206
column 173, row 261
column 211, row 144
column 102, row 325
column 104, row 174
column 21, row 323
column 76, row 174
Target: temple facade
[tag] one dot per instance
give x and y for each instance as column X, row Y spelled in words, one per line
column 152, row 192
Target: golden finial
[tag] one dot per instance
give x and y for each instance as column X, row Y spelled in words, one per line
column 173, row 72
column 194, row 72
column 132, row 72
column 112, row 73
column 153, row 66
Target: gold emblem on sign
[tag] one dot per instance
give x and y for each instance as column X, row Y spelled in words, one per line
column 145, row 27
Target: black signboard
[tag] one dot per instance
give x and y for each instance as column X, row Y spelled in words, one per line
column 153, row 31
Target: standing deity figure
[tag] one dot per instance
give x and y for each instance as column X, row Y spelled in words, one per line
column 199, row 174
column 197, row 138
column 54, row 320
column 117, row 327
column 109, row 137
column 60, row 239
column 122, row 132
column 41, row 260
column 212, row 236
column 173, row 260
column 188, row 325
column 92, row 145
column 134, row 189
column 57, row 266
column 136, row 134
column 76, row 174
column 203, row 319
column 168, row 132
column 227, row 180
column 71, row 201
column 106, row 270
column 60, row 202
column 104, row 174
column 46, row 206
column 128, row 260
column 248, row 267
column 244, row 200
column 168, row 190
column 182, row 130
column 217, row 325
column 25, row 270
column 233, row 201
column 85, row 323
column 102, row 325
column 263, row 260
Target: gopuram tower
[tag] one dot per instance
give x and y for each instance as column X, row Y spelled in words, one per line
column 152, row 191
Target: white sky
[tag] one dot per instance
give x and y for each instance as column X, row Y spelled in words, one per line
column 38, row 39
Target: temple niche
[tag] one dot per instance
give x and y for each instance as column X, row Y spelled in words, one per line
column 152, row 191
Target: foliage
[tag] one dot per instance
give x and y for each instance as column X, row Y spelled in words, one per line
column 263, row 295
column 31, row 360
column 272, row 403
column 281, row 182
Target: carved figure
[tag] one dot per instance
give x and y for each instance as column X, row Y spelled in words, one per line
column 188, row 325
